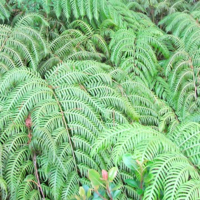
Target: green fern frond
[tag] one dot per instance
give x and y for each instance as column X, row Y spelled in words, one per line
column 83, row 82
column 4, row 11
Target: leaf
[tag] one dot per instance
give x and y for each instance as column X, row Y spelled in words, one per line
column 148, row 178
column 129, row 162
column 89, row 193
column 112, row 173
column 116, row 194
column 132, row 183
column 86, row 187
column 82, row 192
column 140, row 191
column 104, row 175
column 95, row 178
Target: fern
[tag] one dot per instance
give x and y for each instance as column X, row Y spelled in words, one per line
column 22, row 44
column 4, row 11
column 58, row 115
column 149, row 145
column 84, row 82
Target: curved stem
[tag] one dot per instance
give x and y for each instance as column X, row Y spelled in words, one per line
column 66, row 127
column 37, row 176
column 109, row 192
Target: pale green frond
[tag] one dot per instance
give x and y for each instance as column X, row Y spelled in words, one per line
column 189, row 190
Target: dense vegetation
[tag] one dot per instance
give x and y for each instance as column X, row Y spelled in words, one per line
column 84, row 82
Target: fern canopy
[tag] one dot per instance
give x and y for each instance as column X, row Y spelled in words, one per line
column 83, row 82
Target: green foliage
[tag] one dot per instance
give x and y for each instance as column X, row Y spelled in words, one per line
column 156, row 162
column 31, row 5
column 143, row 177
column 85, row 82
column 107, row 188
column 4, row 11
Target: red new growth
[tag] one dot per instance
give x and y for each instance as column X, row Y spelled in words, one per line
column 104, row 174
column 28, row 121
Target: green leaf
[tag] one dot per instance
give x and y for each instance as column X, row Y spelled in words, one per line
column 129, row 162
column 132, row 183
column 140, row 191
column 148, row 178
column 82, row 192
column 116, row 194
column 112, row 173
column 95, row 178
column 89, row 193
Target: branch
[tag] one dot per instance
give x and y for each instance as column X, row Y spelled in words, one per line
column 28, row 124
column 37, row 176
column 109, row 192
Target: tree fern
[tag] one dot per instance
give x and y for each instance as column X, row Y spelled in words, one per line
column 84, row 82
column 183, row 65
column 72, row 114
column 22, row 45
